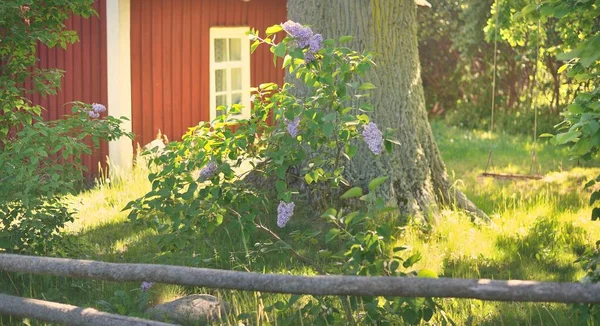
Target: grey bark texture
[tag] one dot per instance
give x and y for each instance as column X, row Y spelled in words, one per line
column 388, row 28
column 514, row 290
column 66, row 314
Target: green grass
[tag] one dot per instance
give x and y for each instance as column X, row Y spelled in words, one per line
column 539, row 228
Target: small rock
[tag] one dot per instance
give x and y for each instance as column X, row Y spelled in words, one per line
column 195, row 309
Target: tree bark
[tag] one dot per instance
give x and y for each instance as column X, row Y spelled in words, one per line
column 418, row 182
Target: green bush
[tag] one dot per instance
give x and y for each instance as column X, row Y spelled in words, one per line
column 39, row 161
column 296, row 161
column 42, row 163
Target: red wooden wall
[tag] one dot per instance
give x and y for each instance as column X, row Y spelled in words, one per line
column 85, row 76
column 170, row 58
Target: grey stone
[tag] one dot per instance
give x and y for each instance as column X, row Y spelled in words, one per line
column 195, row 309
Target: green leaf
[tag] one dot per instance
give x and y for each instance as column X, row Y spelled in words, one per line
column 528, row 9
column 563, row 68
column 568, row 55
column 367, row 86
column 575, row 108
column 350, row 150
column 427, row 273
column 253, row 46
column 330, row 117
column 376, row 183
column 345, row 39
column 594, row 197
column 274, row 29
column 582, row 147
column 332, row 234
column 279, row 50
column 352, row 193
column 328, row 129
column 596, row 214
column 280, row 186
column 330, row 213
column 308, row 178
column 412, row 260
column 567, row 137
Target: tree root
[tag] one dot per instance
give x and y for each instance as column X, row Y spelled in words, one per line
column 461, row 201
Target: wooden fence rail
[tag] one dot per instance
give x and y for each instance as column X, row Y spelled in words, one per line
column 514, row 290
column 66, row 314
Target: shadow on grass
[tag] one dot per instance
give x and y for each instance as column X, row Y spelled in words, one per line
column 545, row 253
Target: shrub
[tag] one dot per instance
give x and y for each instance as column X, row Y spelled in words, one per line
column 32, row 177
column 297, row 147
column 43, row 162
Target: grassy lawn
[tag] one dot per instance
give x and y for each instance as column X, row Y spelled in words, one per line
column 539, row 228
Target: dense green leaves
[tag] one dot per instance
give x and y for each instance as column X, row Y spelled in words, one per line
column 580, row 129
column 39, row 161
column 198, row 184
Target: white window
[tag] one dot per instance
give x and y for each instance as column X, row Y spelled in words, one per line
column 229, row 70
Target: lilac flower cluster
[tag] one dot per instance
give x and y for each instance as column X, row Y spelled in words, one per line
column 94, row 113
column 373, row 137
column 292, row 126
column 146, row 286
column 304, row 37
column 208, row 171
column 284, row 213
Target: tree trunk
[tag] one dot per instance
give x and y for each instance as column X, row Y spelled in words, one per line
column 418, row 180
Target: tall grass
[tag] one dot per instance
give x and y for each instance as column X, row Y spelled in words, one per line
column 539, row 228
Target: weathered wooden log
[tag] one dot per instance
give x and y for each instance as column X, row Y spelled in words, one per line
column 483, row 289
column 66, row 314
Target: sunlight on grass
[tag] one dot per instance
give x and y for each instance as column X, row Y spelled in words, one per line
column 538, row 229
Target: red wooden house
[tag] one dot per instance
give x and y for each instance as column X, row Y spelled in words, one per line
column 164, row 64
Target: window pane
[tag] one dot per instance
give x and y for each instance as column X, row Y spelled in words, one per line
column 220, row 50
column 220, row 80
column 235, row 49
column 236, row 79
column 221, row 101
column 236, row 98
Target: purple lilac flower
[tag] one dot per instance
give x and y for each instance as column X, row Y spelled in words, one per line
column 93, row 114
column 304, row 37
column 301, row 34
column 314, row 43
column 284, row 213
column 373, row 137
column 292, row 126
column 146, row 286
column 208, row 171
column 98, row 108
column 309, row 56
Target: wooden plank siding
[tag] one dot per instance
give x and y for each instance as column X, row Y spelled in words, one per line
column 170, row 58
column 85, row 77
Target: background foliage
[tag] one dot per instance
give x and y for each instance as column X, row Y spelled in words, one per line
column 40, row 161
column 457, row 47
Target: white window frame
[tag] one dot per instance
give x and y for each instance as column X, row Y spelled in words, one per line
column 244, row 63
